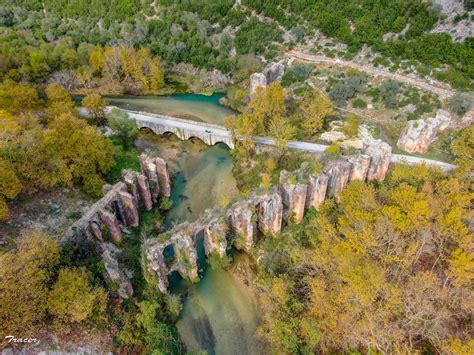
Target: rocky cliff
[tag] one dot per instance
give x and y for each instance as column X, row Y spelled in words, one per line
column 420, row 134
column 271, row 74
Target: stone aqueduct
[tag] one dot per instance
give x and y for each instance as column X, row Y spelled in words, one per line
column 240, row 225
column 263, row 213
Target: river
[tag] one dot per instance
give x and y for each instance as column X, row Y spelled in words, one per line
column 220, row 314
column 195, row 107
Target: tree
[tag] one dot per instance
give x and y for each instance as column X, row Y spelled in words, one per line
column 96, row 105
column 15, row 98
column 23, row 284
column 125, row 128
column 282, row 132
column 389, row 91
column 10, row 186
column 59, row 101
column 463, row 148
column 86, row 155
column 460, row 103
column 316, row 109
column 351, row 126
column 243, row 129
column 74, row 300
column 267, row 103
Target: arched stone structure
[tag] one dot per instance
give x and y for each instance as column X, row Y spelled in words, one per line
column 183, row 129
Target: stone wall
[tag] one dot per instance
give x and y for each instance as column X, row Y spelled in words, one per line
column 261, row 214
column 106, row 220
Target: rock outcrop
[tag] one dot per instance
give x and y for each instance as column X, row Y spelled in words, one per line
column 271, row 74
column 293, row 194
column 111, row 224
column 317, row 188
column 420, row 134
column 130, row 209
column 339, row 172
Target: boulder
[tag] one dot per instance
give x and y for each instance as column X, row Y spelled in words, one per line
column 317, row 188
column 270, row 213
column 243, row 223
column 338, row 172
column 418, row 135
column 333, row 136
column 274, row 72
column 293, row 193
column 360, row 166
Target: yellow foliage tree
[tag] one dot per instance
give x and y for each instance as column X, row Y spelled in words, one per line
column 316, row 108
column 24, row 284
column 267, row 103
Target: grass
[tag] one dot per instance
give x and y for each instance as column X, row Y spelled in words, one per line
column 124, row 159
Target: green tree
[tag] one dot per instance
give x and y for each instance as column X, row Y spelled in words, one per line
column 73, row 299
column 124, row 128
column 96, row 105
column 351, row 126
column 23, row 284
column 59, row 101
column 316, row 109
column 463, row 148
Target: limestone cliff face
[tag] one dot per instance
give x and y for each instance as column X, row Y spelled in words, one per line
column 339, row 173
column 293, row 193
column 317, row 188
column 360, row 166
column 243, row 223
column 215, row 236
column 137, row 185
column 270, row 213
column 418, row 135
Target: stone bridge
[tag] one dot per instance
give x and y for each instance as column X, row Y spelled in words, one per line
column 185, row 129
column 262, row 214
column 212, row 134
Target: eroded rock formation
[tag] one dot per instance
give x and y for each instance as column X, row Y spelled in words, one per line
column 418, row 135
column 380, row 154
column 293, row 194
column 271, row 74
column 215, row 236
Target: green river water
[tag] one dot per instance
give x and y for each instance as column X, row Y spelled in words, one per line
column 220, row 314
column 190, row 106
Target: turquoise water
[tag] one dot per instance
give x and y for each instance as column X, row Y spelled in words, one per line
column 189, row 106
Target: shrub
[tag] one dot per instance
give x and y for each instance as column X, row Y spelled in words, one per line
column 359, row 103
column 460, row 103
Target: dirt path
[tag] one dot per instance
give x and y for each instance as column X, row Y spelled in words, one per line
column 433, row 86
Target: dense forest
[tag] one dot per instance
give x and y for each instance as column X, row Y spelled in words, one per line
column 205, row 33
